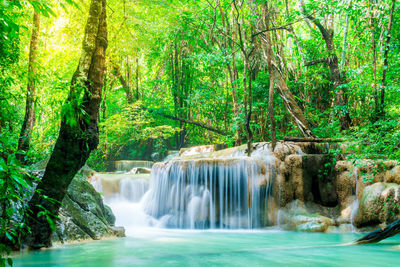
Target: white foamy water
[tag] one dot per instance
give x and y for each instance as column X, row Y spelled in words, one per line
column 219, row 193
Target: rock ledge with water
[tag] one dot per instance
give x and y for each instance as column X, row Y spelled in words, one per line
column 83, row 215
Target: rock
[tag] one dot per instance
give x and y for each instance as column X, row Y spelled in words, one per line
column 296, row 217
column 311, row 227
column 343, row 228
column 380, row 203
column 118, row 231
column 109, row 215
column 139, row 170
column 83, row 216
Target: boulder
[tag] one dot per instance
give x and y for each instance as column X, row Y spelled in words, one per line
column 83, row 216
column 379, row 203
column 296, row 216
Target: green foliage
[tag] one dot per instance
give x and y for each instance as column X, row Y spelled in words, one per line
column 15, row 183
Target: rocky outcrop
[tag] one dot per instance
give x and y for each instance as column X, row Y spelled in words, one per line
column 380, row 203
column 307, row 173
column 304, row 218
column 83, row 215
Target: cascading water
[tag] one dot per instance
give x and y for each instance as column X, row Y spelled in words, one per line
column 123, row 192
column 355, row 204
column 231, row 192
column 218, row 193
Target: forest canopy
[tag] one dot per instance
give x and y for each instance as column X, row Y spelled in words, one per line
column 181, row 73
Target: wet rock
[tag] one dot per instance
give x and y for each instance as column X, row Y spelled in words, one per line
column 343, row 228
column 296, row 217
column 83, row 216
column 380, row 203
column 311, row 227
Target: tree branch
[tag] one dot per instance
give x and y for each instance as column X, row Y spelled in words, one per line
column 317, row 61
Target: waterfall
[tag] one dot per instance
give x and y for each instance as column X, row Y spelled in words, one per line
column 230, row 191
column 210, row 193
column 123, row 193
column 355, row 204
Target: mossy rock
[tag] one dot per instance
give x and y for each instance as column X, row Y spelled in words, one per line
column 380, row 203
column 83, row 215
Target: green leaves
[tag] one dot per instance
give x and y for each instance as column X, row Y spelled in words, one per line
column 42, row 7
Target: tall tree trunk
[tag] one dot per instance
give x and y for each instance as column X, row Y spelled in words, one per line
column 78, row 134
column 372, row 26
column 29, row 120
column 385, row 60
column 125, row 85
column 268, row 54
column 229, row 43
column 247, row 71
column 137, row 78
column 346, row 30
column 337, row 78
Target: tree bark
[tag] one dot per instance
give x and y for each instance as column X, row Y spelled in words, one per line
column 29, row 120
column 385, row 60
column 78, row 134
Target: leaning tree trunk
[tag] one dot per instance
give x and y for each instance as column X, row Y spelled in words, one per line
column 380, row 234
column 280, row 84
column 78, row 134
column 29, row 120
column 125, row 85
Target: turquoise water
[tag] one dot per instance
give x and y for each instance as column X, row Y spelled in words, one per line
column 161, row 247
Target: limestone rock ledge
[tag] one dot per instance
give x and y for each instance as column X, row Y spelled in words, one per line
column 83, row 216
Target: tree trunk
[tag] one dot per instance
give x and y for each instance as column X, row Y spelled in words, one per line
column 380, row 234
column 229, row 42
column 336, row 76
column 269, row 54
column 29, row 120
column 372, row 26
column 385, row 60
column 78, row 134
column 137, row 78
column 346, row 30
column 125, row 85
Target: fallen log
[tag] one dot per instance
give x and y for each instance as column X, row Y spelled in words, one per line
column 311, row 139
column 380, row 234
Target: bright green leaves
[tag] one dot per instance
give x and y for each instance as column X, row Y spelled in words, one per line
column 42, row 7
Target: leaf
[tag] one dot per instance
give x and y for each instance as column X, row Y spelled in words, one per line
column 3, row 165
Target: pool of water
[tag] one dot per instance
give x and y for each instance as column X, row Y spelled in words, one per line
column 162, row 247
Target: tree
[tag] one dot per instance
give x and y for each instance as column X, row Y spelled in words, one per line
column 78, row 134
column 338, row 79
column 29, row 120
column 385, row 60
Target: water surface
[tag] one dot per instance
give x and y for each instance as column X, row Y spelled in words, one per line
column 162, row 247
